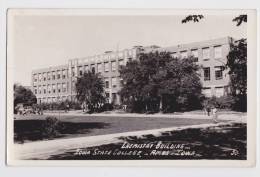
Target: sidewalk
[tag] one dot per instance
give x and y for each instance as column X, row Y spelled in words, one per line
column 225, row 115
column 44, row 149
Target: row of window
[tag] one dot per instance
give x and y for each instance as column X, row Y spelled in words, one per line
column 216, row 91
column 113, row 98
column 51, row 88
column 205, row 53
column 113, row 82
column 52, row 99
column 106, row 57
column 101, row 67
column 52, row 75
column 218, row 73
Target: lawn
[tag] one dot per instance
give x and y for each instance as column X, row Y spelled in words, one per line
column 227, row 142
column 29, row 128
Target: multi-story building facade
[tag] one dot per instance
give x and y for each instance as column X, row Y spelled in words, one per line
column 58, row 83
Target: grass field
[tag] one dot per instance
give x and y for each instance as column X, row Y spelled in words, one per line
column 29, row 128
column 226, row 142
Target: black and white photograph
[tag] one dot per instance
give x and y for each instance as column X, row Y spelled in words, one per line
column 130, row 86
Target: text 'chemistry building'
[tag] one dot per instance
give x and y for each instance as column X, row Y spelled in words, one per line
column 58, row 82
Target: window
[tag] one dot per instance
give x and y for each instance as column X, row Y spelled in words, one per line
column 113, row 81
column 64, row 73
column 40, row 77
column 113, row 97
column 44, row 89
column 113, row 65
column 99, row 67
column 206, row 74
column 217, row 51
column 93, row 68
column 40, row 89
column 35, row 89
column 53, row 88
column 205, row 53
column 207, row 91
column 107, row 83
column 86, row 68
column 73, row 86
column 219, row 91
column 64, row 87
column 80, row 70
column 49, row 89
column 35, row 77
column 184, row 54
column 44, row 76
column 73, row 71
column 59, row 74
column 219, row 72
column 53, row 75
column 106, row 67
column 194, row 53
column 59, row 88
column 49, row 76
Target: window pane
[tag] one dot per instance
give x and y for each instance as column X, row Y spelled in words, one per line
column 99, row 68
column 106, row 67
column 218, row 52
column 113, row 65
column 206, row 73
column 218, row 72
column 113, row 82
column 205, row 53
column 219, row 91
column 206, row 92
column 195, row 54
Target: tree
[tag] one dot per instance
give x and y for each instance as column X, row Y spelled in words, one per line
column 237, row 65
column 159, row 82
column 23, row 95
column 90, row 91
column 196, row 18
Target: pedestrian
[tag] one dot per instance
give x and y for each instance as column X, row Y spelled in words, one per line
column 208, row 110
column 215, row 114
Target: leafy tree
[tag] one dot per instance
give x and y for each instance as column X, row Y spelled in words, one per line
column 90, row 91
column 23, row 95
column 237, row 65
column 196, row 18
column 158, row 81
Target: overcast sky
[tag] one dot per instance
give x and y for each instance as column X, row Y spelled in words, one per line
column 44, row 41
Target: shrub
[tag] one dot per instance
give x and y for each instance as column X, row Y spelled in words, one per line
column 224, row 102
column 107, row 107
column 51, row 127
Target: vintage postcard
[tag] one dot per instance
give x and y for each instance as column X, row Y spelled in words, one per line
column 131, row 87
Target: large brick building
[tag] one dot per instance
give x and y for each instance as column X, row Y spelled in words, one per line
column 58, row 82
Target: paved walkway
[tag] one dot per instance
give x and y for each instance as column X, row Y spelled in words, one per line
column 44, row 149
column 223, row 115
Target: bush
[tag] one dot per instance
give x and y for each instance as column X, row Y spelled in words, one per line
column 51, row 127
column 224, row 102
column 107, row 107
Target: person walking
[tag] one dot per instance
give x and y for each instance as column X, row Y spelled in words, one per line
column 215, row 114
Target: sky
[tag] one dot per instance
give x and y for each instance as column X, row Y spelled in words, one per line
column 44, row 41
